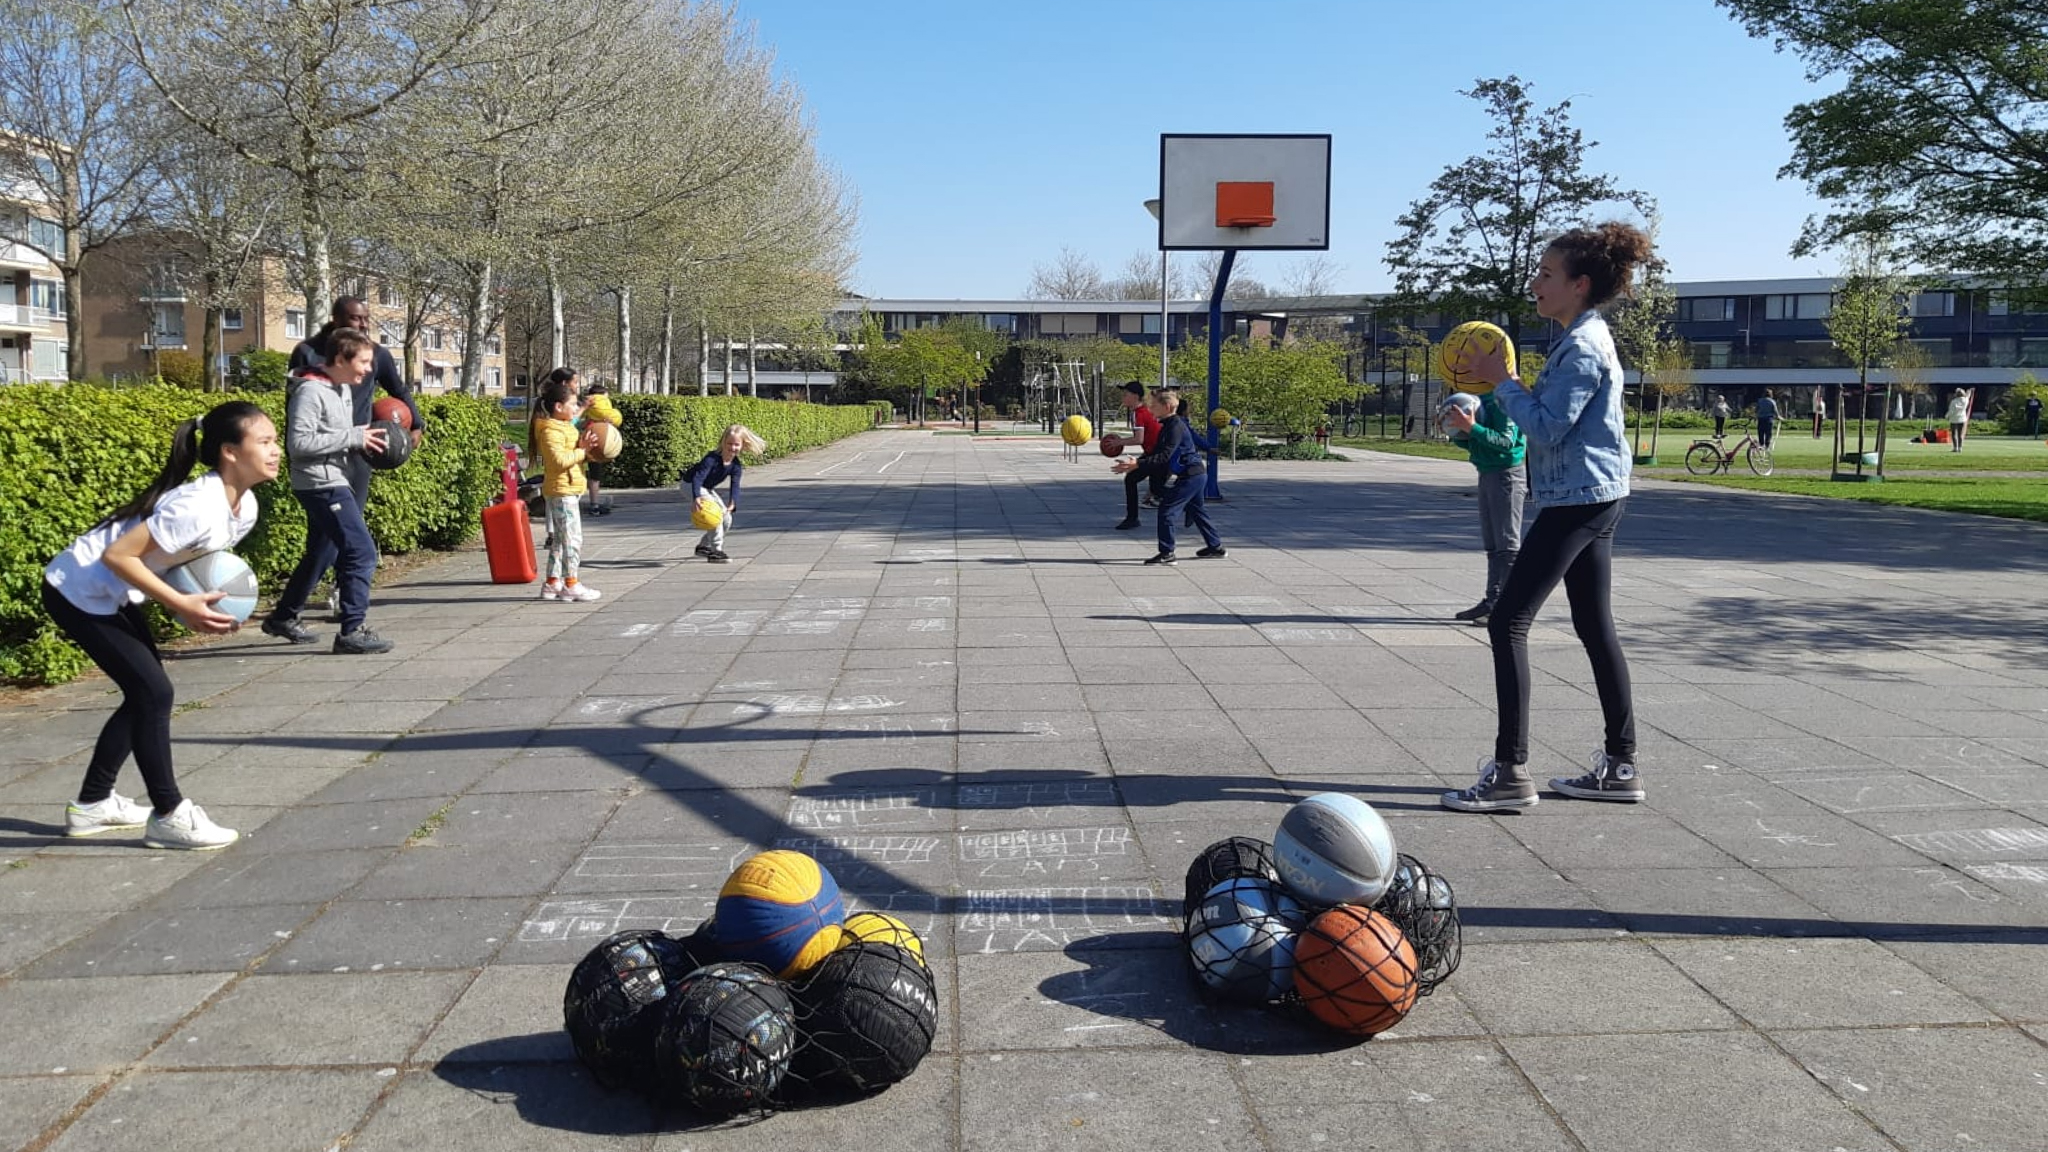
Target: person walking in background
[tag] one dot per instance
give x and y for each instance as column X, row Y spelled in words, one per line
column 325, row 447
column 1958, row 417
column 562, row 449
column 1766, row 418
column 2033, row 410
column 1496, row 448
column 1579, row 462
column 1133, row 397
column 1178, row 461
column 1720, row 411
column 94, row 591
column 1820, row 411
column 721, row 465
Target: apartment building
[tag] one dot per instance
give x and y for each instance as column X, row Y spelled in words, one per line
column 34, row 314
column 141, row 300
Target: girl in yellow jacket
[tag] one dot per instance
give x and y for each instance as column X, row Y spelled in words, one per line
column 562, row 451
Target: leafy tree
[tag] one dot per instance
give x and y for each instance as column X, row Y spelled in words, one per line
column 1071, row 276
column 181, row 368
column 1909, row 364
column 1470, row 245
column 1937, row 138
column 2012, row 408
column 262, row 370
column 1287, row 387
column 1869, row 319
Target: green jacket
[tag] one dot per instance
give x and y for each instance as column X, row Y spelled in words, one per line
column 1496, row 443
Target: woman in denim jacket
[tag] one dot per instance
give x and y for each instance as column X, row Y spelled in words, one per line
column 1578, row 474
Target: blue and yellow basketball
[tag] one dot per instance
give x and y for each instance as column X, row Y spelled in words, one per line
column 882, row 928
column 781, row 910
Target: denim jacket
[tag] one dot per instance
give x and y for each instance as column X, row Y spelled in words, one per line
column 1578, row 445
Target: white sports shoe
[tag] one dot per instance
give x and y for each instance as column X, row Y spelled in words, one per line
column 551, row 591
column 187, row 827
column 115, row 813
column 579, row 592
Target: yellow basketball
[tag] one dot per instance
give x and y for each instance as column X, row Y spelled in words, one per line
column 1220, row 418
column 782, row 910
column 1076, row 430
column 609, row 442
column 707, row 515
column 881, row 928
column 1473, row 337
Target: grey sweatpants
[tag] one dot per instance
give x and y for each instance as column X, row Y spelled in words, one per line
column 1500, row 522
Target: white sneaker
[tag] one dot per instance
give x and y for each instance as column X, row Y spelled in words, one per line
column 187, row 827
column 579, row 592
column 551, row 591
column 115, row 813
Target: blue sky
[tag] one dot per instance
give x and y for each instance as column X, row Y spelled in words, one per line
column 983, row 137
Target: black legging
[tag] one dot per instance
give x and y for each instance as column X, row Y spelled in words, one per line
column 1136, row 476
column 1573, row 544
column 123, row 648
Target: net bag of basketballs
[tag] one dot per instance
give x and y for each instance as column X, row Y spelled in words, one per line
column 779, row 997
column 1328, row 920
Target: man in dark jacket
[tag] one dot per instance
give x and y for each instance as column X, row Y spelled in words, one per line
column 312, row 352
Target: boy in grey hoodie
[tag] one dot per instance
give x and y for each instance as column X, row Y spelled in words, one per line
column 321, row 440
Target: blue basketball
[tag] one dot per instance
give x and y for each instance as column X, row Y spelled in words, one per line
column 1241, row 936
column 221, row 571
column 781, row 910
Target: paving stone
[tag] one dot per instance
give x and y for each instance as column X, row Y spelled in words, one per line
column 1541, row 989
column 1167, row 1099
column 370, row 824
column 291, row 1110
column 163, row 939
column 505, row 1108
column 431, row 869
column 510, row 1014
column 85, row 884
column 50, row 1026
column 28, row 1106
column 376, row 935
column 523, row 818
column 1440, row 1097
column 1901, row 903
column 355, row 1019
column 1701, row 902
column 246, row 879
column 1686, row 1092
column 2001, row 976
column 1935, row 1087
column 1778, row 984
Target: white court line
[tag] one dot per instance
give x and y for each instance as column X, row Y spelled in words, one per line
column 892, row 463
column 843, row 463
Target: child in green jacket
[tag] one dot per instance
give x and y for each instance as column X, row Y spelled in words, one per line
column 1496, row 447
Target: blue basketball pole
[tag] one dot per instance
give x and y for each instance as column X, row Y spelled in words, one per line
column 1214, row 436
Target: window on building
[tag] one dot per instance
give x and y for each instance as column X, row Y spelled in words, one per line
column 1934, row 304
column 231, row 319
column 1130, row 323
column 355, row 287
column 47, row 297
column 387, row 295
column 433, row 339
column 167, row 325
column 50, row 362
column 1069, row 324
column 494, row 346
column 1000, row 321
column 46, row 234
column 295, row 323
column 1700, row 308
column 1711, row 353
column 1805, row 306
column 494, row 379
column 1995, row 304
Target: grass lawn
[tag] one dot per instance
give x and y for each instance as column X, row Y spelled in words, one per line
column 1797, row 450
column 1436, row 449
column 2013, row 497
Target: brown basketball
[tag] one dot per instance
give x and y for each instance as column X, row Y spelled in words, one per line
column 392, row 408
column 608, row 443
column 1355, row 970
column 1112, row 444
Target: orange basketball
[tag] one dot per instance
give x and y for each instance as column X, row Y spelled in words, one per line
column 1355, row 970
column 392, row 408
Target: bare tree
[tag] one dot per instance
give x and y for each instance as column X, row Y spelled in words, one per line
column 220, row 216
column 1071, row 276
column 75, row 137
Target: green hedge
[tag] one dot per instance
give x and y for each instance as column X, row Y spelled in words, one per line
column 69, row 455
column 666, row 434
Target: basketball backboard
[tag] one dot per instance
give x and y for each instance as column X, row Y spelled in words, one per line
column 1269, row 192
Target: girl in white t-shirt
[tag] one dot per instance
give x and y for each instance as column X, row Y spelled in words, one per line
column 94, row 591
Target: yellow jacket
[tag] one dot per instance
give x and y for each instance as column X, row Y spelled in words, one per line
column 601, row 410
column 561, row 458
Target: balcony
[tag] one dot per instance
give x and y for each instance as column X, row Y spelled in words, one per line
column 15, row 255
column 22, row 318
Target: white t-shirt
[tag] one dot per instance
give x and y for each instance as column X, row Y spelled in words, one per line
column 190, row 521
column 1959, row 408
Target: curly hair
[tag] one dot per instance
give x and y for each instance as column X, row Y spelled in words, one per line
column 1607, row 255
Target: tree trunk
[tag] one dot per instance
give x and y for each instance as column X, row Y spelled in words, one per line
column 559, row 329
column 475, row 326
column 668, row 339
column 319, row 263
column 72, row 267
column 752, row 390
column 703, row 359
column 210, row 320
column 625, row 337
column 728, row 364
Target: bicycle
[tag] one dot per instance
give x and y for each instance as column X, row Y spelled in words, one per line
column 1705, row 457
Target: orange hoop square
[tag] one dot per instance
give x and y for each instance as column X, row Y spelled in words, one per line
column 1244, row 204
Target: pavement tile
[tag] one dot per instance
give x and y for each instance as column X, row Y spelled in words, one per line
column 1182, row 1099
column 1444, row 1097
column 432, row 869
column 376, row 935
column 87, row 884
column 51, row 1026
column 167, row 939
column 2001, row 976
column 355, row 1019
column 505, row 1108
column 1931, row 1088
column 1818, row 983
column 1686, row 1092
column 1528, row 989
column 30, row 1105
column 291, row 1110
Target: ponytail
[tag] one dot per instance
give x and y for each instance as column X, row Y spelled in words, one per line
column 197, row 441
